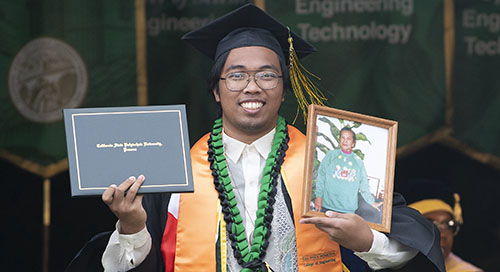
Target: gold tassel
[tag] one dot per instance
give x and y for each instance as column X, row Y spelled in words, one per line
column 457, row 209
column 301, row 81
column 268, row 267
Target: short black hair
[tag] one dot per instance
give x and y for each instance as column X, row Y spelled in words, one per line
column 214, row 78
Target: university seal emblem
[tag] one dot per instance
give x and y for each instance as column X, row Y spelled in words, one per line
column 46, row 76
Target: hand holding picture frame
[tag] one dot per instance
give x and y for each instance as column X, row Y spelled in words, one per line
column 349, row 165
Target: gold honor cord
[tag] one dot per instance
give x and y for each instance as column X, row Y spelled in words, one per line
column 301, row 82
column 223, row 241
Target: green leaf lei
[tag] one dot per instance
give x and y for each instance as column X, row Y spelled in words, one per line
column 251, row 258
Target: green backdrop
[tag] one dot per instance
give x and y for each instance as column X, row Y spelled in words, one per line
column 102, row 33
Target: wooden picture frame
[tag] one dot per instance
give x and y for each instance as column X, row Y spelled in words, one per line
column 368, row 169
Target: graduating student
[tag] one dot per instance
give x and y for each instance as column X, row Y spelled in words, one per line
column 244, row 214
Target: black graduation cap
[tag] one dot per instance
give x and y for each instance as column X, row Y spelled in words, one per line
column 246, row 26
column 251, row 26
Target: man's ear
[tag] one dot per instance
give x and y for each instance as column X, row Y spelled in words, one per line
column 216, row 95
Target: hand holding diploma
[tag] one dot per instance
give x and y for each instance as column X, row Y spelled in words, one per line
column 127, row 206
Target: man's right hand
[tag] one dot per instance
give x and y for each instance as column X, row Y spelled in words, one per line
column 127, row 207
column 348, row 229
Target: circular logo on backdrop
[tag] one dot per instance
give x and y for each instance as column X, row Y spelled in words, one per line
column 46, row 76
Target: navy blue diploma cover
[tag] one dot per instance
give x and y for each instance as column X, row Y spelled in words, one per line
column 108, row 145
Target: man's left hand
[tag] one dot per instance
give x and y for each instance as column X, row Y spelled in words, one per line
column 347, row 229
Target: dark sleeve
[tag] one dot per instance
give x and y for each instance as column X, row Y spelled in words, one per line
column 410, row 228
column 89, row 257
column 156, row 206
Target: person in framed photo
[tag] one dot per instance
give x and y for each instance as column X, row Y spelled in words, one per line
column 341, row 176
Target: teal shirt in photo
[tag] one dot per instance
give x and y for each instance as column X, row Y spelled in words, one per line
column 340, row 177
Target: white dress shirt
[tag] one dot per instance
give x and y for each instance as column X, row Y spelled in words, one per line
column 251, row 159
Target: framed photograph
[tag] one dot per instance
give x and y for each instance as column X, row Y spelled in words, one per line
column 349, row 165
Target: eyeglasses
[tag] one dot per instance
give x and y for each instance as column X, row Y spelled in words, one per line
column 451, row 225
column 238, row 81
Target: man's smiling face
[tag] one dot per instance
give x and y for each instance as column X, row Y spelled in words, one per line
column 252, row 112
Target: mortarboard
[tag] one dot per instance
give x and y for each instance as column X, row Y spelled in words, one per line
column 245, row 26
column 251, row 26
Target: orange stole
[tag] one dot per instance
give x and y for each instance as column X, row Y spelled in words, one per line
column 197, row 221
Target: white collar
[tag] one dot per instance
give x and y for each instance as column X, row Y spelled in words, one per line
column 234, row 148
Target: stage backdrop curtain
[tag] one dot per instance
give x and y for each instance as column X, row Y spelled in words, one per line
column 476, row 83
column 58, row 54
